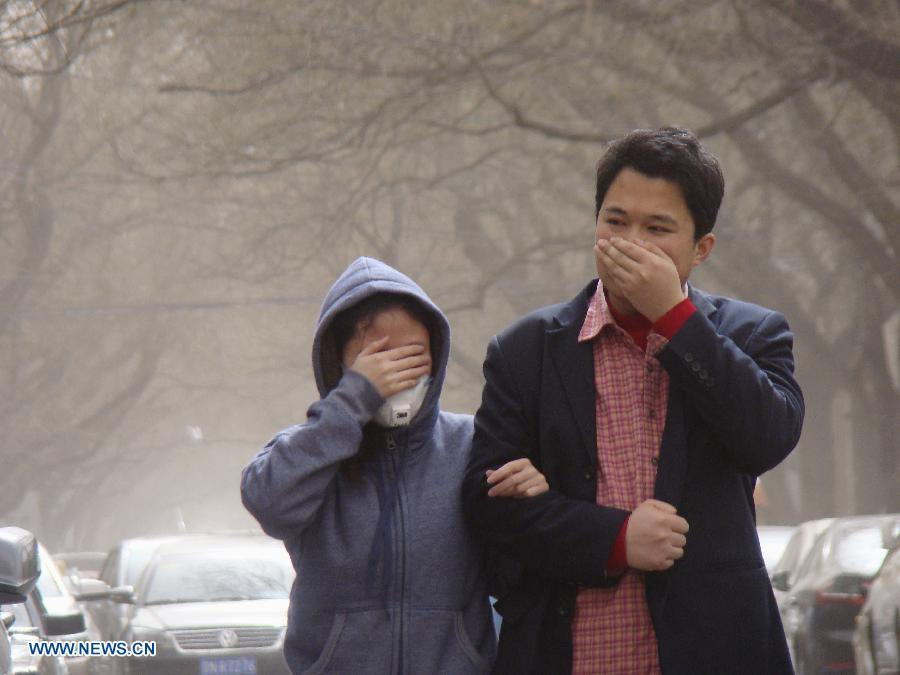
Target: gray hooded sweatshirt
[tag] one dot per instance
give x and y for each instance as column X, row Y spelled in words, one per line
column 389, row 579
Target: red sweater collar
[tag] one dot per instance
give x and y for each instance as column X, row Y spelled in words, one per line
column 636, row 325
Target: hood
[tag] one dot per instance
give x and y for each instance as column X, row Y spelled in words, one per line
column 363, row 278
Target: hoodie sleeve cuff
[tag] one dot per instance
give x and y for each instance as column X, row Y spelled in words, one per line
column 672, row 321
column 358, row 396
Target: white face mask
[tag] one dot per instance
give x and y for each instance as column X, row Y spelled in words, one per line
column 399, row 409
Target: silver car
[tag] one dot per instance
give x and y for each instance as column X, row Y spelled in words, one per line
column 19, row 572
column 208, row 604
column 876, row 637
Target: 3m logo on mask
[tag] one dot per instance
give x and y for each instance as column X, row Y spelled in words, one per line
column 400, row 409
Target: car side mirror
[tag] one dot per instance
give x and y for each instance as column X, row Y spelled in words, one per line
column 124, row 595
column 780, row 581
column 69, row 623
column 87, row 589
column 19, row 564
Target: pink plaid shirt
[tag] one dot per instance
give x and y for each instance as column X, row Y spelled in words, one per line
column 611, row 630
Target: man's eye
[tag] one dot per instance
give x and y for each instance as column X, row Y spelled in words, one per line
column 614, row 221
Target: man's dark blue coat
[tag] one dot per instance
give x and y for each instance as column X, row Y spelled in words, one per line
column 734, row 412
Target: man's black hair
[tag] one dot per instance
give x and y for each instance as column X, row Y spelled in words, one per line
column 675, row 155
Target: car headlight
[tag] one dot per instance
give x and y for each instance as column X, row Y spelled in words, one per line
column 163, row 639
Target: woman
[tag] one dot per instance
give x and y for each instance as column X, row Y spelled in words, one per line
column 366, row 494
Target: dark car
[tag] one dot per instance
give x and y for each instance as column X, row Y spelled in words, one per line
column 876, row 640
column 830, row 589
column 210, row 605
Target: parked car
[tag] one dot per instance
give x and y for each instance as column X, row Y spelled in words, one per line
column 52, row 614
column 784, row 573
column 123, row 566
column 7, row 618
column 211, row 605
column 830, row 589
column 31, row 625
column 57, row 597
column 773, row 539
column 19, row 572
column 876, row 640
column 80, row 564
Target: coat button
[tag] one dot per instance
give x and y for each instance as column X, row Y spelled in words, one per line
column 654, row 460
column 703, row 374
column 695, row 366
column 588, row 475
column 688, row 357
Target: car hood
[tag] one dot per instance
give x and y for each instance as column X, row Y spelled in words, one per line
column 213, row 614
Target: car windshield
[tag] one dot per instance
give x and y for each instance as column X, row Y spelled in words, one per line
column 217, row 576
column 81, row 564
column 859, row 551
column 48, row 586
column 773, row 541
column 139, row 555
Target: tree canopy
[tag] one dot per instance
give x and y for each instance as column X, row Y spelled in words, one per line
column 183, row 181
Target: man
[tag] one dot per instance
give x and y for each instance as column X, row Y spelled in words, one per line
column 651, row 408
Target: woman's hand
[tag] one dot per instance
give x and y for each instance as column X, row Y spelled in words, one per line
column 517, row 479
column 393, row 370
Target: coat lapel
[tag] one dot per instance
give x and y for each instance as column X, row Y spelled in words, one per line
column 574, row 362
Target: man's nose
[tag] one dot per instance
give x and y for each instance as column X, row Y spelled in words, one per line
column 629, row 232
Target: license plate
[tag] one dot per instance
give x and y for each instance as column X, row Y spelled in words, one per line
column 237, row 665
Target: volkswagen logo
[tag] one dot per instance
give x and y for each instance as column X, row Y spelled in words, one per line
column 228, row 638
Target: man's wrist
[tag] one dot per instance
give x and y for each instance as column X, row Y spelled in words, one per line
column 618, row 557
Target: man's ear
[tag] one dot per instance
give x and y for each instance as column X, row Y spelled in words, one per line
column 703, row 248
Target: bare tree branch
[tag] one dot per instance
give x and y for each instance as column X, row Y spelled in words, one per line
column 860, row 45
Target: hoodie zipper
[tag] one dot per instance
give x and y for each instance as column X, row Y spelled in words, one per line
column 393, row 447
